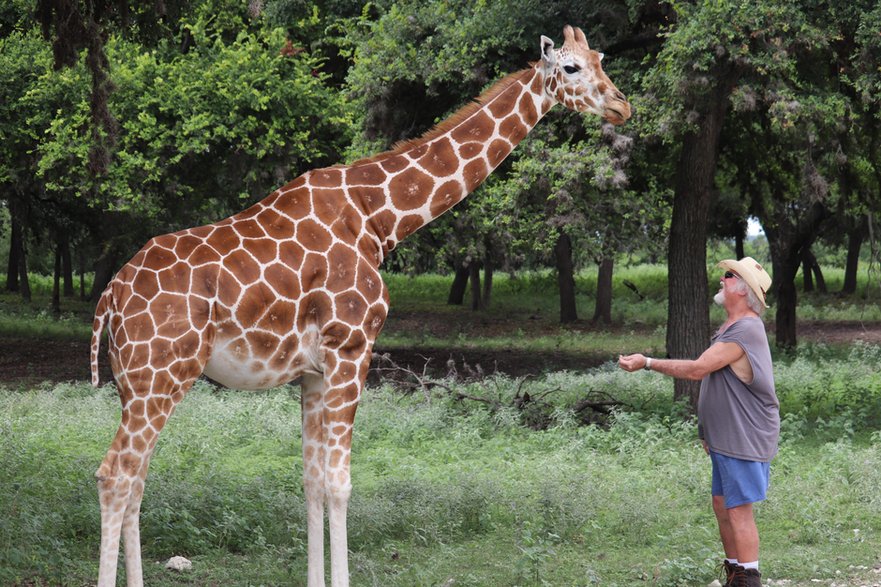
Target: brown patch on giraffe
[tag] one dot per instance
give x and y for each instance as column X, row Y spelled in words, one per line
column 228, row 288
column 250, row 228
column 314, row 272
column 283, row 280
column 249, row 212
column 243, row 266
column 254, row 304
column 175, row 278
column 139, row 328
column 504, row 103
column 410, row 189
column 139, row 444
column 162, row 382
column 200, row 312
column 474, row 173
column 328, row 204
column 336, row 456
column 345, row 371
column 350, row 307
column 408, row 225
column 368, row 200
column 497, row 151
column 277, row 226
column 183, row 370
column 341, row 264
column 129, row 462
column 470, row 150
column 369, row 249
column 395, row 163
column 440, row 160
column 279, row 318
column 145, row 284
column 382, row 223
column 333, row 336
column 169, row 314
column 160, row 354
column 291, row 254
column 354, row 347
column 313, row 236
column 513, row 130
column 137, row 407
column 528, row 111
column 296, row 204
column 265, row 249
column 224, row 240
column 315, row 309
column 369, row 174
column 285, row 354
column 185, row 245
column 134, row 305
column 263, row 343
column 369, row 282
column 200, row 232
column 445, row 197
column 203, row 281
column 536, row 85
column 374, row 320
column 326, row 178
column 478, row 128
column 202, row 255
column 186, row 346
column 348, row 226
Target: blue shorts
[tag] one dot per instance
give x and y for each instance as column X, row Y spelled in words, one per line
column 739, row 481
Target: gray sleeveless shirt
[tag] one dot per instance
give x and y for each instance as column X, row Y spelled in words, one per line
column 737, row 419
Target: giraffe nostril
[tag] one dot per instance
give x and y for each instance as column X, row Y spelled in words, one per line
column 620, row 96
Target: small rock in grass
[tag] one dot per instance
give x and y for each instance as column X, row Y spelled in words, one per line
column 178, row 563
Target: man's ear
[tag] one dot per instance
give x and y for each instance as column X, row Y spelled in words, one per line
column 548, row 57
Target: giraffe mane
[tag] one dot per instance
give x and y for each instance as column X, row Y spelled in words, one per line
column 451, row 121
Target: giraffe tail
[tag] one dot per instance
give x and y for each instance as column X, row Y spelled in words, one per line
column 102, row 311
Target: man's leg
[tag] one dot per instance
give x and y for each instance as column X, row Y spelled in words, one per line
column 726, row 531
column 745, row 533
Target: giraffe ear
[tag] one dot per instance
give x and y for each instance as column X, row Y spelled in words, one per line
column 547, row 52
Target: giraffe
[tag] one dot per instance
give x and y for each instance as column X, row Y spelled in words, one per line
column 290, row 288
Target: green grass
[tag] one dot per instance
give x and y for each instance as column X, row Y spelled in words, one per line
column 448, row 489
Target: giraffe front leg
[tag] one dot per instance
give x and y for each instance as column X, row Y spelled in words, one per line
column 345, row 376
column 312, row 401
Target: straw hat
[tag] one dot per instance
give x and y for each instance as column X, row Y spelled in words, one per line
column 752, row 272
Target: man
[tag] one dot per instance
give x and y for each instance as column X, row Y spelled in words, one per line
column 738, row 412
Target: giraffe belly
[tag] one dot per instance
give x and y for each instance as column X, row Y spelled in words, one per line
column 232, row 364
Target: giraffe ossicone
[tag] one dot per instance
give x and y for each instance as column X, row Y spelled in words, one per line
column 290, row 288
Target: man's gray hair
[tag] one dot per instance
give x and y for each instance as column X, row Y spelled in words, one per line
column 752, row 300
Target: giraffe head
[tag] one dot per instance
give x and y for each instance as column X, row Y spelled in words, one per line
column 575, row 78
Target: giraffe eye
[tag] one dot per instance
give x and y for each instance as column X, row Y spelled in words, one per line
column 570, row 69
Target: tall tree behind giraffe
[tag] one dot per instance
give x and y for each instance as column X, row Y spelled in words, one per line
column 290, row 288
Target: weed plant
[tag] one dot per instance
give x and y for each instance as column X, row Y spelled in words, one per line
column 450, row 490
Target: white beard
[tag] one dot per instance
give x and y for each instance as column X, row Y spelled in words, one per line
column 719, row 298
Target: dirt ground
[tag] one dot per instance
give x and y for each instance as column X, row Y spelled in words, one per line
column 32, row 361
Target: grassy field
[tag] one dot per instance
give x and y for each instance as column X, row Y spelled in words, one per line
column 449, row 492
column 458, row 492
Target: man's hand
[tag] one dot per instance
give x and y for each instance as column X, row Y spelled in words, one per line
column 631, row 362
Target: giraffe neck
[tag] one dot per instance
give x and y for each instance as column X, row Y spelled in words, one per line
column 419, row 180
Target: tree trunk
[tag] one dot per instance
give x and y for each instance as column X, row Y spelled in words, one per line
column 474, row 270
column 56, row 283
column 104, row 271
column 66, row 265
column 460, row 284
column 487, row 281
column 82, row 263
column 787, row 301
column 738, row 247
column 24, row 285
column 688, row 319
column 854, row 244
column 15, row 251
column 566, row 278
column 603, row 311
column 807, row 271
